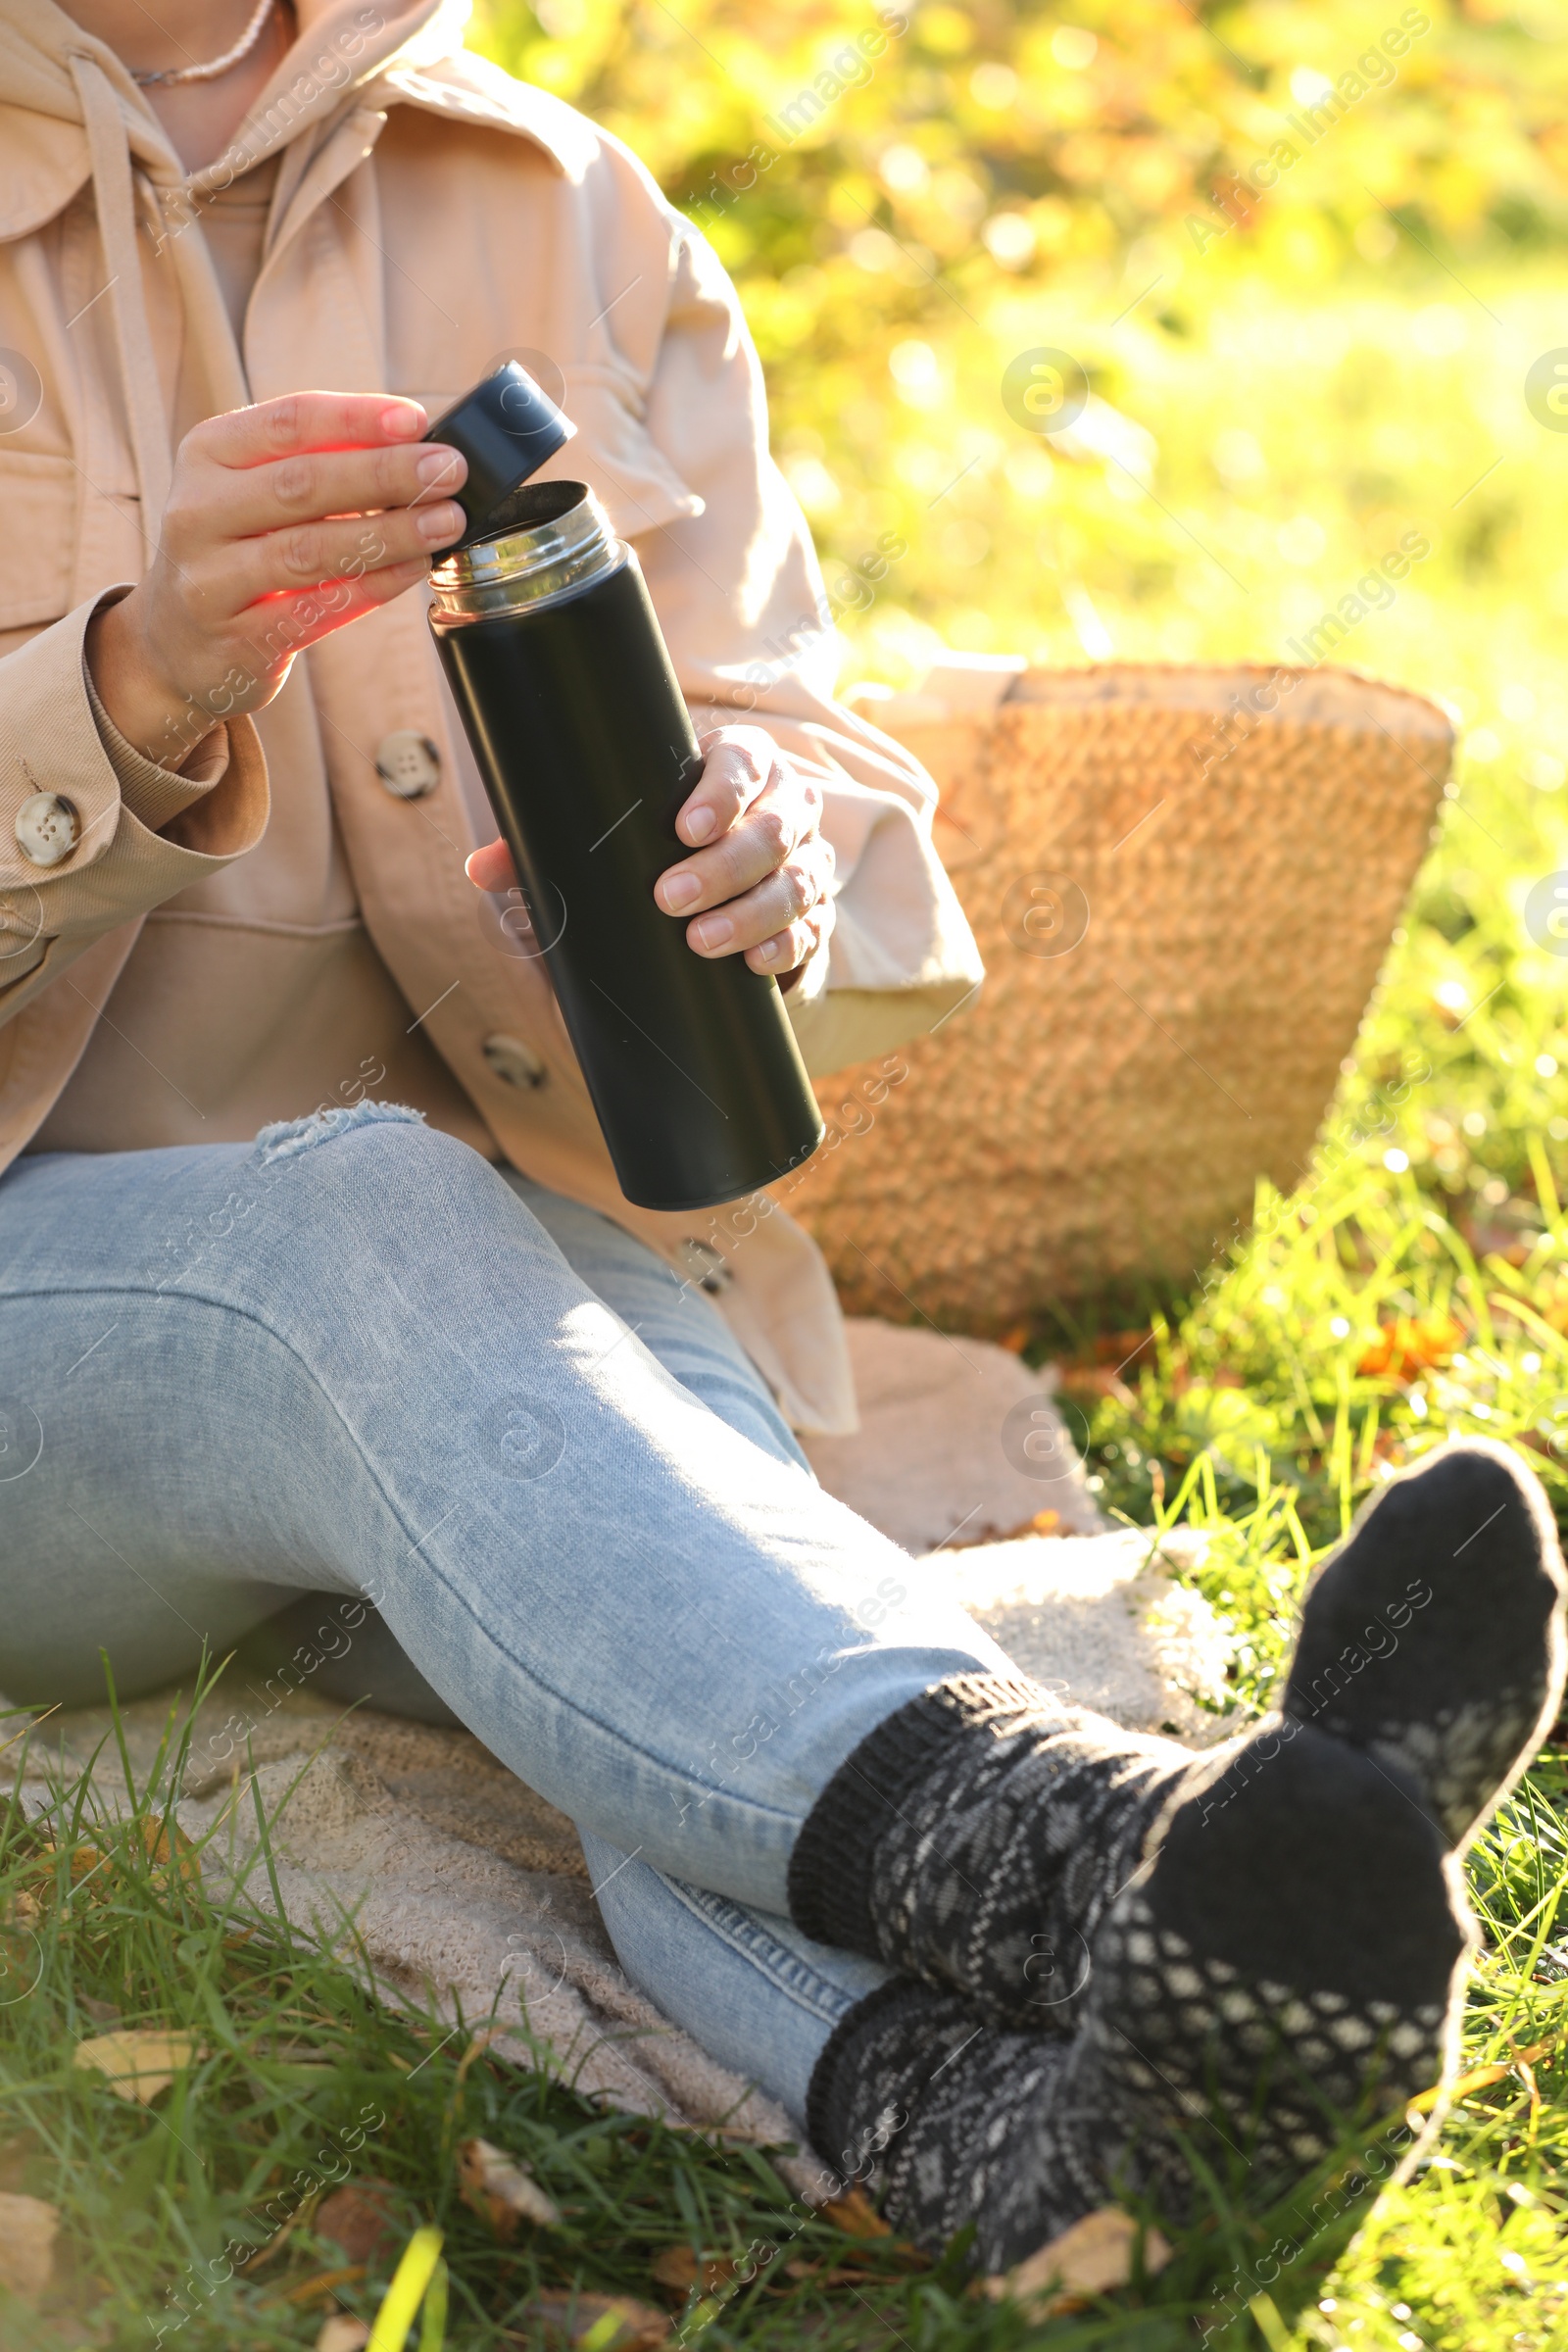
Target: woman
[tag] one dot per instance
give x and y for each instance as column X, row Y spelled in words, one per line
column 312, row 1274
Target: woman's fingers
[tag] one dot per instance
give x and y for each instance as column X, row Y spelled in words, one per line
column 307, row 490
column 310, row 555
column 771, row 906
column 789, row 951
column 737, row 763
column 284, row 520
column 233, row 503
column 491, row 869
column 288, row 624
column 762, row 888
column 756, row 844
column 754, row 889
column 306, row 420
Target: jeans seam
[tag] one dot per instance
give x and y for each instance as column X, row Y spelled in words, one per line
column 791, row 1974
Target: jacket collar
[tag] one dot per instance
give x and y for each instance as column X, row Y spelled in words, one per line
column 366, row 53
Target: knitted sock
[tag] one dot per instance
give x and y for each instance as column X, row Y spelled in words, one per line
column 1288, row 1968
column 1433, row 1636
column 977, row 1837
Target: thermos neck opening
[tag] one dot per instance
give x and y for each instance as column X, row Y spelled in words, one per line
column 548, row 541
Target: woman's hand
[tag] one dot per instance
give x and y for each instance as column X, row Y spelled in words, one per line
column 759, row 880
column 284, row 522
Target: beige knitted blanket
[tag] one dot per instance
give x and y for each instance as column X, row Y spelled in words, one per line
column 461, row 1885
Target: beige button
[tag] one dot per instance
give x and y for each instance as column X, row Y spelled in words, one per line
column 408, row 765
column 47, row 828
column 515, row 1063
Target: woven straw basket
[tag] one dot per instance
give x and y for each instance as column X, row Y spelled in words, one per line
column 1182, row 903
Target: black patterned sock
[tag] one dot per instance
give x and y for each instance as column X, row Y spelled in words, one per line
column 976, row 1838
column 1288, row 1968
column 1433, row 1636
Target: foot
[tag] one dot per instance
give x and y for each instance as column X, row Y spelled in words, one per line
column 1286, row 1971
column 978, row 1837
column 1433, row 1638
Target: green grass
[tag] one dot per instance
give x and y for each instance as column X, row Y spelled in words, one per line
column 197, row 2214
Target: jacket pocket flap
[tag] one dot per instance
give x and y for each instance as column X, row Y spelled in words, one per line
column 38, row 530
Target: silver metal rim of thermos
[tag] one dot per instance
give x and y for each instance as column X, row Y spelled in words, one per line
column 557, row 539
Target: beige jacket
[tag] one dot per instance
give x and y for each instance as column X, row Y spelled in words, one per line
column 261, row 931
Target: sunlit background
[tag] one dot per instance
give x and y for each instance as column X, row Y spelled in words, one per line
column 1283, row 382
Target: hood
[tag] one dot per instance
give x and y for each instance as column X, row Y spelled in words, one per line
column 70, row 112
column 374, row 51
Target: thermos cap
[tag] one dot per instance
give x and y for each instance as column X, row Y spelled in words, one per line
column 506, row 427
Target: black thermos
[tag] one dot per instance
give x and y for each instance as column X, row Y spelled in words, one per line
column 558, row 664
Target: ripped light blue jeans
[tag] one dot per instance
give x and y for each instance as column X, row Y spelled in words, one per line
column 356, row 1359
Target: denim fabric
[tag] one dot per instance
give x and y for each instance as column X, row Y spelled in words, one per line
column 751, row 1989
column 353, row 1359
column 689, row 1339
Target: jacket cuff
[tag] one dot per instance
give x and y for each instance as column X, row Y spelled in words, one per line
column 153, row 793
column 123, row 862
column 842, row 1026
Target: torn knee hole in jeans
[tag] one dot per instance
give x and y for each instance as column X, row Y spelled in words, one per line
column 286, row 1139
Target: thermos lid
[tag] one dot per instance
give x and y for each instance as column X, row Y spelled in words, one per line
column 506, row 427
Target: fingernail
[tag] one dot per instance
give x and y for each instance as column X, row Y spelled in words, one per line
column 768, row 951
column 698, row 823
column 678, row 891
column 405, row 423
column 440, row 466
column 436, row 523
column 715, row 929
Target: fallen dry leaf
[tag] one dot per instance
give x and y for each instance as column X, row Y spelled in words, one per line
column 501, row 2190
column 565, row 2322
column 855, row 2214
column 170, row 1850
column 361, row 2218
column 164, row 1842
column 1039, row 1523
column 1411, row 1344
column 139, row 2061
column 27, row 2228
column 744, row 2135
column 1090, row 2259
column 680, row 2269
column 343, row 2334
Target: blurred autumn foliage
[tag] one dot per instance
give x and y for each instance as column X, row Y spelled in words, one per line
column 1094, row 124
column 1290, row 346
